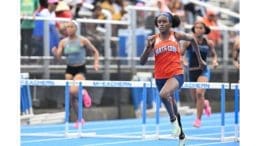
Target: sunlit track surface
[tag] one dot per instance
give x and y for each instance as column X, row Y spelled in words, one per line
column 96, row 132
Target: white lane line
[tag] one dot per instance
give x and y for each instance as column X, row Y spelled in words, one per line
column 47, row 139
column 212, row 143
column 210, row 121
column 119, row 142
column 138, row 131
column 185, row 119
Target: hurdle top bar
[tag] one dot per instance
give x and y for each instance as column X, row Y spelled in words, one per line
column 24, row 75
column 205, row 85
column 125, row 84
column 233, row 86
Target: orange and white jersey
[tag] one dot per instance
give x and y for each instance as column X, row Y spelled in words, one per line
column 167, row 57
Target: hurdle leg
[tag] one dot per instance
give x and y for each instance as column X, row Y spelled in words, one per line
column 29, row 99
column 157, row 108
column 177, row 98
column 26, row 101
column 80, row 110
column 222, row 106
column 236, row 112
column 67, row 108
column 22, row 102
column 157, row 115
column 144, row 111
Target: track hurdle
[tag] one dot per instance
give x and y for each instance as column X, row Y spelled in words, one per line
column 209, row 85
column 86, row 83
column 25, row 99
column 236, row 88
column 67, row 108
column 129, row 84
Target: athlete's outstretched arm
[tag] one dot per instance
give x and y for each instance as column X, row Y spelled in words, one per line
column 90, row 46
column 184, row 47
column 147, row 51
column 235, row 54
column 194, row 43
column 57, row 52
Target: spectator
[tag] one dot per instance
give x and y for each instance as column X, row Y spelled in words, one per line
column 38, row 32
column 119, row 9
column 43, row 5
column 28, row 7
column 235, row 54
column 63, row 11
column 236, row 8
column 97, row 12
column 90, row 29
column 75, row 6
column 211, row 20
column 108, row 5
column 163, row 7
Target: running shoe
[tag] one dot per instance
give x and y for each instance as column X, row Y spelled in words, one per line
column 182, row 142
column 176, row 130
column 207, row 108
column 197, row 123
column 76, row 125
column 86, row 99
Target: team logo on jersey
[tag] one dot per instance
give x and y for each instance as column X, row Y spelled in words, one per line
column 165, row 49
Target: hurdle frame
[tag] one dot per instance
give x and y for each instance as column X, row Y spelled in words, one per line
column 236, row 88
column 25, row 99
column 129, row 84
